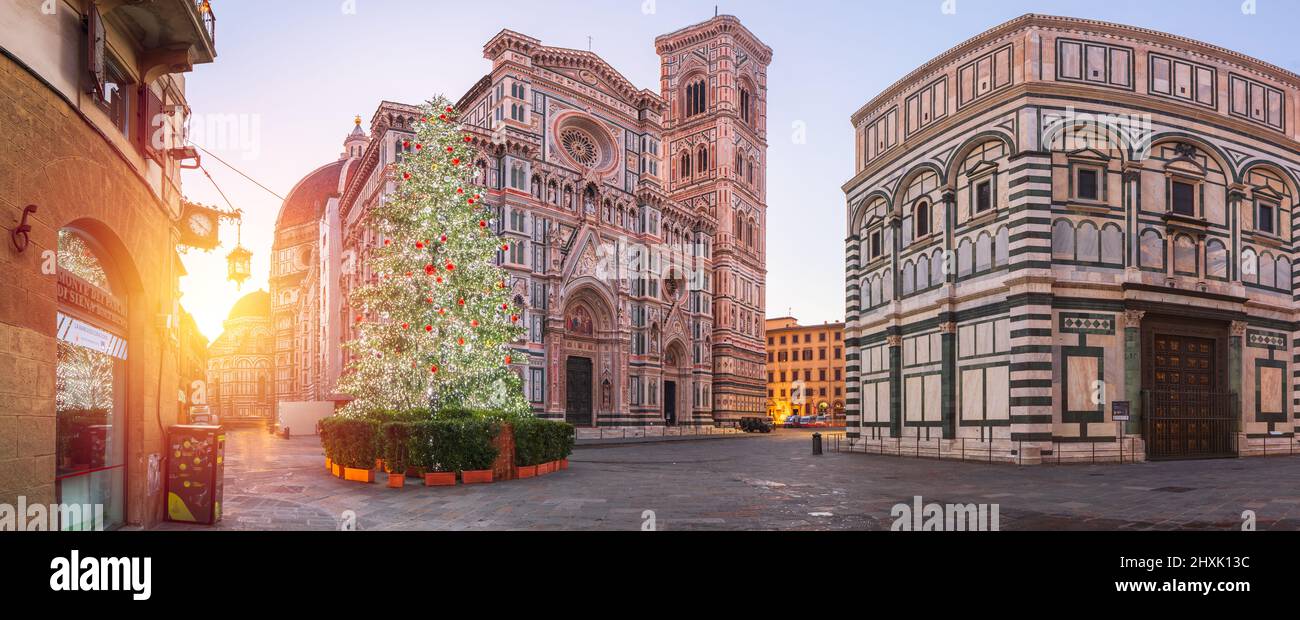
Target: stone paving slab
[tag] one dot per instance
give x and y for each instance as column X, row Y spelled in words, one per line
column 767, row 482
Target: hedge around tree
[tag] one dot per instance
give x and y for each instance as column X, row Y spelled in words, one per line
column 540, row 441
column 454, row 440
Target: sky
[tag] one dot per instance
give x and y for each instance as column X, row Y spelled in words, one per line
column 292, row 74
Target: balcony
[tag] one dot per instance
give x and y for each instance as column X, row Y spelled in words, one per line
column 174, row 35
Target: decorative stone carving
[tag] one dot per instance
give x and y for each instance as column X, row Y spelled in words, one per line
column 1133, row 318
column 1238, row 329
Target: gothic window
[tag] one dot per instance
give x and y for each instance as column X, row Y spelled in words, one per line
column 704, row 160
column 744, row 105
column 696, row 98
column 686, row 165
column 740, row 165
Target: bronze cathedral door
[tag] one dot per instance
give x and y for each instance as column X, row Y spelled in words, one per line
column 578, row 389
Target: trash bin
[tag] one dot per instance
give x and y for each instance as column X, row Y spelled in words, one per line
column 817, row 444
column 195, row 473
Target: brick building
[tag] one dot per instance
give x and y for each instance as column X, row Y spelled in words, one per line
column 88, row 322
column 805, row 370
column 1060, row 215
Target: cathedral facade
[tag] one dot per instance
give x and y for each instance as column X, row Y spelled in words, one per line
column 1071, row 239
column 635, row 223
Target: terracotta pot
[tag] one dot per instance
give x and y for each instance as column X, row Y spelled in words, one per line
column 396, row 481
column 440, row 479
column 359, row 475
column 476, row 477
column 564, row 463
column 529, row 471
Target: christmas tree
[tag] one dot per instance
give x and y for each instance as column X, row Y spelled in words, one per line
column 435, row 324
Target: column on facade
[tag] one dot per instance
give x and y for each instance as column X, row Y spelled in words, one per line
column 1032, row 372
column 1133, row 369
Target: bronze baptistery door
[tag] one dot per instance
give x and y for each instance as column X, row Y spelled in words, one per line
column 1188, row 416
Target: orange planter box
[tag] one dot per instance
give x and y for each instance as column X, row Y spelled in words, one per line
column 396, row 481
column 359, row 475
column 337, row 470
column 440, row 479
column 564, row 463
column 329, row 466
column 529, row 471
column 379, row 464
column 476, row 477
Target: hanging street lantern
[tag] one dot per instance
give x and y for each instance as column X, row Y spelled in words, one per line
column 239, row 262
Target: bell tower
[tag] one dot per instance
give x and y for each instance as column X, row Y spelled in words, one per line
column 714, row 79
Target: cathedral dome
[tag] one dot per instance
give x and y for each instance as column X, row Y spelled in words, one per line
column 307, row 201
column 253, row 305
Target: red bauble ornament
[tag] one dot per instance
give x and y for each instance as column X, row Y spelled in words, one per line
column 406, row 176
column 450, row 150
column 434, row 370
column 419, row 245
column 482, row 223
column 442, row 311
column 428, row 328
column 471, row 201
column 514, row 318
column 442, row 117
column 505, row 247
column 406, row 144
column 461, row 301
column 387, row 241
column 439, row 280
column 418, row 146
column 443, row 238
column 473, row 323
column 455, row 161
column 358, row 319
column 460, row 341
column 406, row 326
column 451, row 267
column 428, row 269
column 469, row 139
column 505, row 306
column 429, row 300
column 449, row 109
column 460, row 190
column 507, row 360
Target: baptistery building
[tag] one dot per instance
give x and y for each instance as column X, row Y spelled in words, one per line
column 1073, row 240
column 635, row 222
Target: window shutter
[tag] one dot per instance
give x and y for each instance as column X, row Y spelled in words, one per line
column 152, row 139
column 95, row 49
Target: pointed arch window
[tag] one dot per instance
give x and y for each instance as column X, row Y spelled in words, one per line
column 686, row 165
column 703, row 160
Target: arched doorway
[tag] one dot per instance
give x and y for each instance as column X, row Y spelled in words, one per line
column 586, row 347
column 90, row 384
column 676, row 385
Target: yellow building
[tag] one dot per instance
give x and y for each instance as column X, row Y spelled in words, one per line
column 805, row 370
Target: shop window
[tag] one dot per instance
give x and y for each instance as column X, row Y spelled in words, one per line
column 90, row 388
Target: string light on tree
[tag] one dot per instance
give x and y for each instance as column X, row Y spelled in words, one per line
column 450, row 289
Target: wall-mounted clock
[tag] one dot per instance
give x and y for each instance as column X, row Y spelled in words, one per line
column 199, row 226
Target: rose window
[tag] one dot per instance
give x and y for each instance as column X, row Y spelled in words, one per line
column 580, row 147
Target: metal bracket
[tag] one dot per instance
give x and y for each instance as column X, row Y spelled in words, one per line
column 23, row 230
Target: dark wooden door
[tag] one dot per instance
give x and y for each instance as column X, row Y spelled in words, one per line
column 670, row 403
column 1187, row 414
column 578, row 388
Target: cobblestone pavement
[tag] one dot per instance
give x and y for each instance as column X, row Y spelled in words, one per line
column 768, row 482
